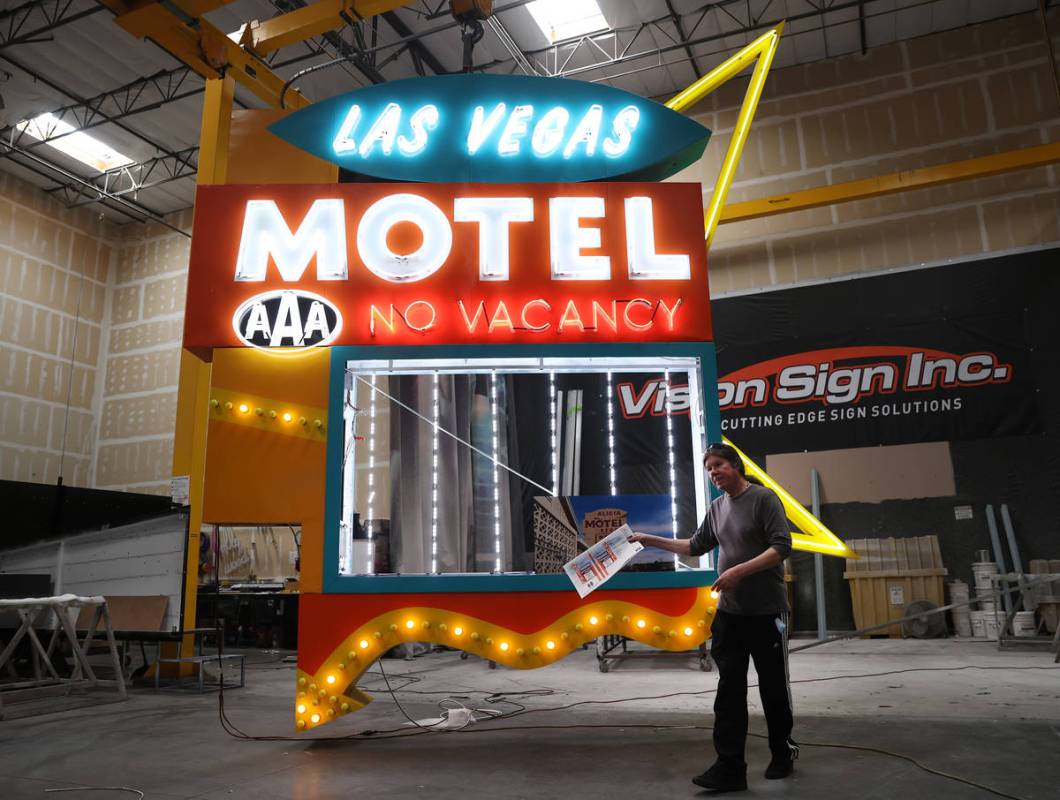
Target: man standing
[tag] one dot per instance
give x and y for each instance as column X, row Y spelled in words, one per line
column 749, row 526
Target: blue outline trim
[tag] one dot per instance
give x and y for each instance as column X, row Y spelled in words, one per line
column 335, row 583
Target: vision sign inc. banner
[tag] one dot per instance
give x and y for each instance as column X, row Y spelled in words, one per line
column 928, row 355
column 295, row 266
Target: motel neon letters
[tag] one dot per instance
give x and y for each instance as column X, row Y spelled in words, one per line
column 294, row 266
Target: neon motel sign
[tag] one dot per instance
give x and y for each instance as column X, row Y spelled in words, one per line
column 386, row 263
column 479, row 249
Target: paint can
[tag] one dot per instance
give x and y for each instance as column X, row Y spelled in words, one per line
column 962, row 622
column 987, row 605
column 1023, row 625
column 991, row 625
column 978, row 627
column 982, row 570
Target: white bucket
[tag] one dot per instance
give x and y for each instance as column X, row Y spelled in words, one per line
column 978, row 626
column 1023, row 625
column 987, row 605
column 958, row 591
column 991, row 625
column 982, row 571
column 962, row 622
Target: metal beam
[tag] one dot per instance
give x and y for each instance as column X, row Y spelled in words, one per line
column 130, row 179
column 983, row 167
column 142, row 94
column 681, row 32
column 145, row 212
column 204, row 48
column 420, row 53
column 262, row 38
column 30, row 21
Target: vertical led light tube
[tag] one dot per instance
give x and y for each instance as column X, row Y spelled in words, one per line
column 555, row 444
column 434, row 482
column 611, row 432
column 371, row 477
column 496, row 475
column 670, row 452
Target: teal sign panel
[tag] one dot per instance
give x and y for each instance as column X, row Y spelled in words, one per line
column 496, row 129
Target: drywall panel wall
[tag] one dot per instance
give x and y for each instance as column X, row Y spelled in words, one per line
column 54, row 267
column 961, row 94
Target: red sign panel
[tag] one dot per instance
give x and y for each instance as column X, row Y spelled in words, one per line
column 300, row 266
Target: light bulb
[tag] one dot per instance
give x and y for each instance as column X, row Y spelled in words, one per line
column 458, row 631
column 331, row 678
column 641, row 623
column 688, row 631
column 410, row 624
column 364, row 644
column 551, row 645
column 287, row 416
column 504, row 646
column 301, row 709
column 315, row 719
column 243, row 408
column 593, row 620
column 714, row 594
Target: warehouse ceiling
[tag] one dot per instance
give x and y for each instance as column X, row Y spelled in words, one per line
column 69, row 59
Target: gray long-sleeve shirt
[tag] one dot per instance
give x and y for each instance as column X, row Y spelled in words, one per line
column 743, row 527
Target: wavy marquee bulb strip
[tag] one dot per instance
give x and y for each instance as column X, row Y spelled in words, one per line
column 331, row 690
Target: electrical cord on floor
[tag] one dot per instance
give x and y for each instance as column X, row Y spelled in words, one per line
column 402, row 732
column 99, row 789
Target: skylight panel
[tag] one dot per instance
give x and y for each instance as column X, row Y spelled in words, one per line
column 74, row 143
column 567, row 19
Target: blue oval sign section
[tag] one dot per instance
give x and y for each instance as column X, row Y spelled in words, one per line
column 496, row 129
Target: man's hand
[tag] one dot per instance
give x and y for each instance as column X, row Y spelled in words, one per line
column 728, row 579
column 636, row 536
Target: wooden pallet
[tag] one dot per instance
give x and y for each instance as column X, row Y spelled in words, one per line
column 891, row 574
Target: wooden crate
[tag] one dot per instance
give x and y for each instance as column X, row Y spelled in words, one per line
column 891, row 574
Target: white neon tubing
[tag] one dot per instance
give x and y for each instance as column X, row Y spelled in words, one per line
column 424, row 119
column 611, row 433
column 670, row 451
column 387, row 212
column 434, row 482
column 493, row 215
column 567, row 238
column 549, row 132
column 321, row 233
column 496, row 473
column 555, row 453
column 371, row 479
column 644, row 262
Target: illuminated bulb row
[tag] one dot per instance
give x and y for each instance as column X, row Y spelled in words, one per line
column 496, row 475
column 245, row 408
column 434, row 482
column 555, row 452
column 670, row 452
column 611, row 435
column 371, row 477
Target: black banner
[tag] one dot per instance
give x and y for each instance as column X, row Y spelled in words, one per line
column 936, row 354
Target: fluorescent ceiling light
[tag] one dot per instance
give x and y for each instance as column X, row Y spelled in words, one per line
column 567, row 19
column 76, row 144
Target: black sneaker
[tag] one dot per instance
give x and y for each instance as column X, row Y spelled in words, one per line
column 779, row 768
column 781, row 765
column 720, row 778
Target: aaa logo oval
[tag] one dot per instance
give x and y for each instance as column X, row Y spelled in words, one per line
column 496, row 129
column 287, row 318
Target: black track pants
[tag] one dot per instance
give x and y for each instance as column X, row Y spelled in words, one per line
column 734, row 640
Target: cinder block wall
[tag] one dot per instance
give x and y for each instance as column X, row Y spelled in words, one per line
column 961, row 94
column 54, row 269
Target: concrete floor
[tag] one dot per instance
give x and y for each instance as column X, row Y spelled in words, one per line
column 999, row 726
